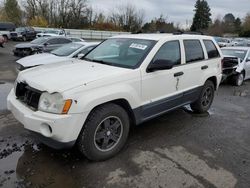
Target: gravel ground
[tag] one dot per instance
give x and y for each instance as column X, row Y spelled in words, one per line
column 179, row 149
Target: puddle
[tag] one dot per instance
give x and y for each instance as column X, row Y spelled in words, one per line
column 4, row 91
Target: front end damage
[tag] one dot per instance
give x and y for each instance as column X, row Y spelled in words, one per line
column 231, row 66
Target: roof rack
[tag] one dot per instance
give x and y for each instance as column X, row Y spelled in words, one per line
column 188, row 32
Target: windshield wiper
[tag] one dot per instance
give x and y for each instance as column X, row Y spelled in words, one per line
column 98, row 61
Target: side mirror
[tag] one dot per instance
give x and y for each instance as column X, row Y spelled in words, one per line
column 160, row 64
column 80, row 56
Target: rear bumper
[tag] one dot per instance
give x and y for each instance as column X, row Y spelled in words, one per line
column 54, row 130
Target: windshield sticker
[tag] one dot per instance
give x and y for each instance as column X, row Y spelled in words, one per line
column 239, row 52
column 138, row 46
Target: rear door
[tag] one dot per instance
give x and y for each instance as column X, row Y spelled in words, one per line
column 194, row 67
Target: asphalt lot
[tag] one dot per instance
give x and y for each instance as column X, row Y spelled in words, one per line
column 179, row 149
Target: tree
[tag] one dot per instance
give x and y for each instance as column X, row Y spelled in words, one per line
column 246, row 26
column 159, row 25
column 229, row 23
column 237, row 25
column 202, row 16
column 216, row 28
column 13, row 11
column 127, row 17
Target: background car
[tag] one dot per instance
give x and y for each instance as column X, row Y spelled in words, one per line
column 62, row 54
column 236, row 64
column 223, row 42
column 23, row 33
column 2, row 40
column 76, row 39
column 52, row 32
column 43, row 44
column 5, row 29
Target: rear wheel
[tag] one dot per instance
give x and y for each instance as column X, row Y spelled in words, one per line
column 205, row 99
column 104, row 133
column 238, row 79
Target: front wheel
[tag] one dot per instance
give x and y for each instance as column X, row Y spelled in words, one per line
column 104, row 133
column 238, row 79
column 205, row 99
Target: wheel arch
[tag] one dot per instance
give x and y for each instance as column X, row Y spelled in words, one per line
column 124, row 104
column 213, row 79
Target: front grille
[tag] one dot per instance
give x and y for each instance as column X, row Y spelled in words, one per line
column 28, row 95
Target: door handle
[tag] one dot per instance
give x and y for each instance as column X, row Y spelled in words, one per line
column 204, row 67
column 178, row 74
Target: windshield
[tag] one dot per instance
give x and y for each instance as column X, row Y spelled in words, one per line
column 51, row 31
column 67, row 49
column 39, row 40
column 20, row 29
column 234, row 52
column 121, row 52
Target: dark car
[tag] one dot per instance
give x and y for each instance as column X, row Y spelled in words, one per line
column 39, row 45
column 5, row 29
column 23, row 33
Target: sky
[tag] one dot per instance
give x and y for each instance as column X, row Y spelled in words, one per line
column 178, row 11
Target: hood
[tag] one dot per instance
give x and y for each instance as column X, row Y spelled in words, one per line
column 41, row 59
column 26, row 45
column 64, row 76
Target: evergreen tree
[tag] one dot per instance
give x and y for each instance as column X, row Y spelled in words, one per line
column 13, row 11
column 202, row 16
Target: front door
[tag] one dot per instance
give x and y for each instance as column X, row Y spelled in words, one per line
column 160, row 88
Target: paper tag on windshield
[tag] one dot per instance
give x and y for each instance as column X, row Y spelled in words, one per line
column 138, row 46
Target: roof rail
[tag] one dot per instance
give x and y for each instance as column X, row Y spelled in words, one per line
column 188, row 32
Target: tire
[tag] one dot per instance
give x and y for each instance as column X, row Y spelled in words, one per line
column 238, row 79
column 104, row 132
column 205, row 99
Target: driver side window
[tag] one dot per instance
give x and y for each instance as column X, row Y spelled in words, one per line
column 170, row 51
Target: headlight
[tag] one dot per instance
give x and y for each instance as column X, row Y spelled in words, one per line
column 54, row 103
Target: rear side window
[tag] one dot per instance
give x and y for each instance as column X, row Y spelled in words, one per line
column 193, row 50
column 64, row 41
column 169, row 51
column 212, row 51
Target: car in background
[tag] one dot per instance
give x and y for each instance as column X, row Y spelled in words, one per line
column 223, row 42
column 52, row 32
column 23, row 33
column 5, row 29
column 241, row 42
column 62, row 54
column 39, row 45
column 76, row 39
column 2, row 40
column 236, row 64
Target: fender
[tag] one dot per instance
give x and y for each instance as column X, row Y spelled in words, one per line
column 88, row 100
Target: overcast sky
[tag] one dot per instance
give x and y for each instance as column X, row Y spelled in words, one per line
column 178, row 11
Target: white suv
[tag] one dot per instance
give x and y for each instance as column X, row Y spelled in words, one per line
column 124, row 81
